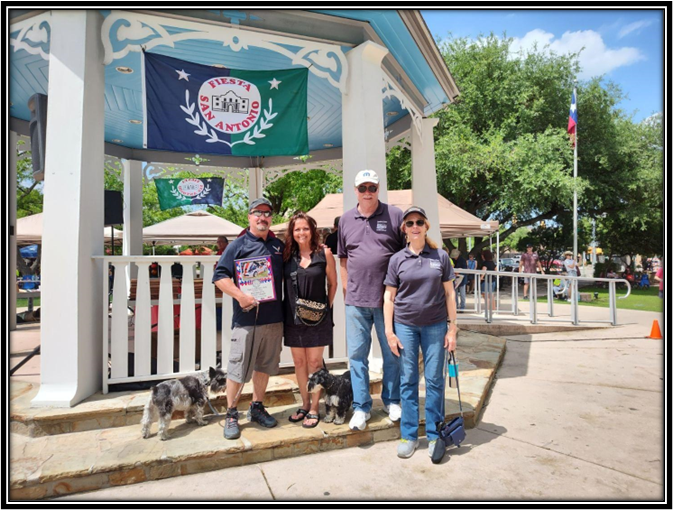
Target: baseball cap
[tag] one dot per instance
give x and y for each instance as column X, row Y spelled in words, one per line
column 257, row 202
column 414, row 209
column 366, row 176
column 529, row 245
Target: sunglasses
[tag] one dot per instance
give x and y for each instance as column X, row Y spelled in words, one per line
column 372, row 189
column 419, row 223
column 259, row 214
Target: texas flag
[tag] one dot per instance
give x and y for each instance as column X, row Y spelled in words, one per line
column 572, row 119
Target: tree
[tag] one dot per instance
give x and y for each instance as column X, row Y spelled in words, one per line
column 28, row 191
column 502, row 150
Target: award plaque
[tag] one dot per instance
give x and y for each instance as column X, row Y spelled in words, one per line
column 255, row 278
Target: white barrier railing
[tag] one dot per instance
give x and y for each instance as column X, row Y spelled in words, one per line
column 150, row 313
column 573, row 282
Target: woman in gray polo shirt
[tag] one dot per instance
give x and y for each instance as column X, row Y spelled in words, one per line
column 418, row 299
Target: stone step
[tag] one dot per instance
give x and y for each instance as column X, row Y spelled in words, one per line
column 126, row 408
column 53, row 465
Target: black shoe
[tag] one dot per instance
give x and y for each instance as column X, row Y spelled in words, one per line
column 231, row 430
column 258, row 413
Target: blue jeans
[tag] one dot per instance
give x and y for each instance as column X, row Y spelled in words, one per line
column 430, row 339
column 359, row 321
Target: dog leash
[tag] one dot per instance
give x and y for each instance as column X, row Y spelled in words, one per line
column 448, row 354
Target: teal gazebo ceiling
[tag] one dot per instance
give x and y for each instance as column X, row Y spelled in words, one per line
column 29, row 73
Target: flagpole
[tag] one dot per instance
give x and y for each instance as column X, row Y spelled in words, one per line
column 575, row 190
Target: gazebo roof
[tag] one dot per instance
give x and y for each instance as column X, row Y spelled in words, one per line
column 413, row 64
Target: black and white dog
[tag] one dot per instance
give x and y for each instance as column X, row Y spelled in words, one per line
column 189, row 394
column 338, row 393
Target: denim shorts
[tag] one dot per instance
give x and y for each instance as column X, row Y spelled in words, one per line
column 483, row 286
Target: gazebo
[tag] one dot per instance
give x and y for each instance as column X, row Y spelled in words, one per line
column 374, row 77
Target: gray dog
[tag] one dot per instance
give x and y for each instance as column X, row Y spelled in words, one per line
column 189, row 394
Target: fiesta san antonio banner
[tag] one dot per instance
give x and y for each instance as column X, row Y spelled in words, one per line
column 203, row 109
column 191, row 191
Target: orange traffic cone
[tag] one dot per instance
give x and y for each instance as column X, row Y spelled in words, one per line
column 656, row 332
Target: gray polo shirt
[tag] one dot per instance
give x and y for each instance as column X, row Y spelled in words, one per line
column 420, row 299
column 368, row 244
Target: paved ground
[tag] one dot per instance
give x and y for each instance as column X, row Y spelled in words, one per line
column 573, row 416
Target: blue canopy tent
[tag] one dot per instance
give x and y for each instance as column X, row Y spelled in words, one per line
column 29, row 252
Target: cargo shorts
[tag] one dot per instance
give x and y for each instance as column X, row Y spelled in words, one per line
column 261, row 354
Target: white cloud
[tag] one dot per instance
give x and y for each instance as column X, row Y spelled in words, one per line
column 633, row 27
column 596, row 58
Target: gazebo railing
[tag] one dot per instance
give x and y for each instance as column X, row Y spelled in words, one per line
column 170, row 324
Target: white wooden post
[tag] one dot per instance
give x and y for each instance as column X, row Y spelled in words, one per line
column 133, row 213
column 364, row 145
column 11, row 205
column 187, row 318
column 424, row 175
column 255, row 184
column 208, row 319
column 165, row 334
column 72, row 290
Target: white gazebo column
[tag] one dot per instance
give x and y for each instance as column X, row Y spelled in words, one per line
column 11, row 205
column 72, row 282
column 133, row 214
column 424, row 175
column 255, row 183
column 364, row 145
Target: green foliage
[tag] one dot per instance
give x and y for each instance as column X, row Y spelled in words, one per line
column 300, row 191
column 502, row 149
column 28, row 192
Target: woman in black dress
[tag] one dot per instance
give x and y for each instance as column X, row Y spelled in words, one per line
column 316, row 280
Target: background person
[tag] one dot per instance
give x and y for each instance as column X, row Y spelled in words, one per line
column 460, row 263
column 529, row 263
column 471, row 264
column 222, row 243
column 487, row 265
column 659, row 277
column 333, row 239
column 570, row 266
column 419, row 297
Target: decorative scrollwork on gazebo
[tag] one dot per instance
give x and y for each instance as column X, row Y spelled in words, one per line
column 34, row 35
column 125, row 31
column 390, row 90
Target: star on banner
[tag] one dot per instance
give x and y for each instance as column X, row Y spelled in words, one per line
column 274, row 84
column 183, row 75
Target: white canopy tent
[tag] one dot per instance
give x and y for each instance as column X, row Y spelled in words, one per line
column 29, row 231
column 198, row 227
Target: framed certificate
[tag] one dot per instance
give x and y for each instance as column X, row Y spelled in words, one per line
column 255, row 278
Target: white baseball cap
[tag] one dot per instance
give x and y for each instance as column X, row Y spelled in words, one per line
column 366, row 176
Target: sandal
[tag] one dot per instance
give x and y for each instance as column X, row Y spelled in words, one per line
column 311, row 416
column 300, row 413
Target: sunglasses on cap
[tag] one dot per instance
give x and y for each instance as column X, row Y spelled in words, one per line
column 259, row 214
column 410, row 223
column 371, row 188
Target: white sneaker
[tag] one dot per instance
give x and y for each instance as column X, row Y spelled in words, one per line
column 406, row 448
column 359, row 420
column 394, row 412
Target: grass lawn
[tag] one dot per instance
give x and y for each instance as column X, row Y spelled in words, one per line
column 24, row 302
column 638, row 300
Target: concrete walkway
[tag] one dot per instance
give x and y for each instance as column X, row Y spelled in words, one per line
column 573, row 416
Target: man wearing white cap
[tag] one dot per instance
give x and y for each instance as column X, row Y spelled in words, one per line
column 369, row 235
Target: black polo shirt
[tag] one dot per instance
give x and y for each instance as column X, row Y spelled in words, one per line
column 248, row 246
column 420, row 299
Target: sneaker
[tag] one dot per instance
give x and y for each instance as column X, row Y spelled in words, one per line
column 359, row 420
column 231, row 430
column 525, row 298
column 258, row 413
column 431, row 447
column 406, row 448
column 394, row 411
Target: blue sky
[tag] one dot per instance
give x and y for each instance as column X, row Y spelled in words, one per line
column 626, row 46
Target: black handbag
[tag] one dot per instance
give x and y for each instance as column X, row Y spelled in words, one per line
column 308, row 312
column 452, row 433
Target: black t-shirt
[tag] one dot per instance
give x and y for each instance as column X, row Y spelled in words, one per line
column 332, row 242
column 248, row 246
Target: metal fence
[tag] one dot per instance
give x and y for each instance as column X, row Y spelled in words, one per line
column 572, row 282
